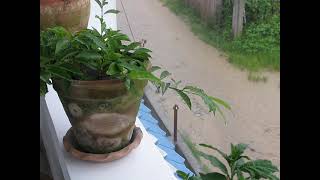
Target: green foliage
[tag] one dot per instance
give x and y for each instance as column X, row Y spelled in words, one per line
column 257, row 77
column 212, row 176
column 108, row 54
column 239, row 166
column 261, row 33
column 184, row 97
column 214, row 162
column 260, row 37
column 192, row 147
column 259, row 46
column 260, row 10
column 54, row 56
column 185, row 176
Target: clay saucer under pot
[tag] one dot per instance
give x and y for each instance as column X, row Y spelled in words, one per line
column 71, row 147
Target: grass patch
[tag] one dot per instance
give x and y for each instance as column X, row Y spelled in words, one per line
column 255, row 63
column 193, row 150
column 257, row 77
column 256, row 50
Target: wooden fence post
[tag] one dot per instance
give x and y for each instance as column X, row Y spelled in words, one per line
column 204, row 10
column 237, row 17
column 214, row 11
column 186, row 2
column 209, row 10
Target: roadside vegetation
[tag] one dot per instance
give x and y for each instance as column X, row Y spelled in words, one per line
column 258, row 47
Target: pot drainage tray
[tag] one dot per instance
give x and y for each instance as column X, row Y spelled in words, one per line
column 71, row 147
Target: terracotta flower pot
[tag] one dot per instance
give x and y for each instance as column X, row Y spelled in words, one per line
column 71, row 14
column 102, row 113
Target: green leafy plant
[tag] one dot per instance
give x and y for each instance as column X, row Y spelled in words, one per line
column 192, row 147
column 107, row 54
column 238, row 166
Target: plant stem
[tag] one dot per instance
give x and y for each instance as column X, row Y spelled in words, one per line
column 232, row 170
column 101, row 20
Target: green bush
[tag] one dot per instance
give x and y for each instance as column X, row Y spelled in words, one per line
column 262, row 37
column 258, row 48
column 261, row 10
column 235, row 165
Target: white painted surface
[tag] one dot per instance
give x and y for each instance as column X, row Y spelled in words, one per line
column 51, row 143
column 154, row 139
column 143, row 163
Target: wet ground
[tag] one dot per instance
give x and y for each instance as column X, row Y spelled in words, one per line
column 255, row 105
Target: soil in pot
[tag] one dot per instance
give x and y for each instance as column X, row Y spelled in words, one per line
column 102, row 113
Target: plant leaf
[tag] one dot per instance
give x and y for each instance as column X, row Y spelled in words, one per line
column 98, row 17
column 240, row 175
column 44, row 60
column 69, row 55
column 45, row 77
column 214, row 161
column 94, row 29
column 132, row 46
column 71, row 68
column 237, row 151
column 96, row 40
column 260, row 168
column 89, row 56
column 129, row 66
column 195, row 178
column 43, row 88
column 99, row 3
column 206, row 99
column 182, row 174
column 104, row 2
column 103, row 26
column 235, row 165
column 221, row 113
column 184, row 97
column 90, row 64
column 221, row 102
column 134, row 90
column 224, row 155
column 154, row 68
column 113, row 11
column 58, row 72
column 143, row 75
column 141, row 56
column 186, row 176
column 61, row 45
column 121, row 37
column 142, row 50
column 164, row 87
column 113, row 69
column 82, row 42
column 245, row 157
column 164, row 74
column 213, row 176
column 175, row 84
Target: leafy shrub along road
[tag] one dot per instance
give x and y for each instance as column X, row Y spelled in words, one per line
column 258, row 48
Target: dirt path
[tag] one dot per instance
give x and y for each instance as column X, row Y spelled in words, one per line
column 256, row 106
